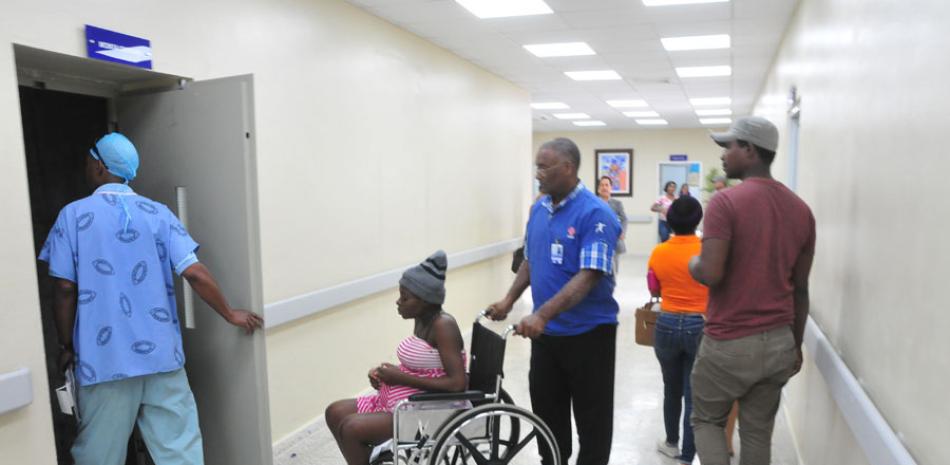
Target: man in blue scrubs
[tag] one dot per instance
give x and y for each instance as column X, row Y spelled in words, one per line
column 569, row 252
column 112, row 255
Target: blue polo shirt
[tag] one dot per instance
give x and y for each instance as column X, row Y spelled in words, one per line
column 579, row 233
column 120, row 249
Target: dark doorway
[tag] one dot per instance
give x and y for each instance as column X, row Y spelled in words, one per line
column 59, row 128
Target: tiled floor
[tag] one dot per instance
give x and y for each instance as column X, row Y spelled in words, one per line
column 638, row 422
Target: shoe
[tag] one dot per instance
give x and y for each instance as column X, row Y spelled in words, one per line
column 667, row 449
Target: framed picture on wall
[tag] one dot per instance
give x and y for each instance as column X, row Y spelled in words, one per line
column 617, row 164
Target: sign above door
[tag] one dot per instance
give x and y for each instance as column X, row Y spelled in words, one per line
column 106, row 45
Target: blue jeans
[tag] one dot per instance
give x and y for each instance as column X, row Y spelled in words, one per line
column 664, row 231
column 675, row 344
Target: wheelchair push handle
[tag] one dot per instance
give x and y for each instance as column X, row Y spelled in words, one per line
column 484, row 314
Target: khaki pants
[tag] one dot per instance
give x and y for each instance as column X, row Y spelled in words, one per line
column 752, row 370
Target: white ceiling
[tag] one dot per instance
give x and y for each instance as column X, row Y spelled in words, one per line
column 625, row 34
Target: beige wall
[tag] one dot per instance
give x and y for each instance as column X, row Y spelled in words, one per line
column 650, row 147
column 872, row 166
column 26, row 436
column 374, row 149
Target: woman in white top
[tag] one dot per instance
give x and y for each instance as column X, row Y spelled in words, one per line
column 662, row 205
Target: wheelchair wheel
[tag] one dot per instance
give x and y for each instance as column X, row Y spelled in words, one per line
column 500, row 441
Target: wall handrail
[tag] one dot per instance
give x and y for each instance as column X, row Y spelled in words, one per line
column 877, row 439
column 305, row 305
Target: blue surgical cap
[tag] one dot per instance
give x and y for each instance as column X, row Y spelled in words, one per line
column 118, row 154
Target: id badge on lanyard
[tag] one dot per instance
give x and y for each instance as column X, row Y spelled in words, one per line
column 557, row 253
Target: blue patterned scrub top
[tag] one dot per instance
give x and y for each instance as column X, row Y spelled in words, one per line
column 120, row 249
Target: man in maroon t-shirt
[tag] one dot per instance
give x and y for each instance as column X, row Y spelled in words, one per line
column 758, row 246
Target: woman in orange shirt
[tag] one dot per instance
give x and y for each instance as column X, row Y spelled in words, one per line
column 680, row 324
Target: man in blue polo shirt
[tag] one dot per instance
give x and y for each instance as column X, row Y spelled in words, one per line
column 569, row 252
column 112, row 256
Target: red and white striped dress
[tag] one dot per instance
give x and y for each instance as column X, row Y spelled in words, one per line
column 416, row 358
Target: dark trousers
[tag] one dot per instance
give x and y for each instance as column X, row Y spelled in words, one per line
column 579, row 371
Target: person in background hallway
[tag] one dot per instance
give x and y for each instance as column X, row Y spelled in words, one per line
column 112, row 255
column 758, row 246
column 569, row 249
column 661, row 205
column 431, row 359
column 679, row 326
column 684, row 190
column 719, row 183
column 604, row 188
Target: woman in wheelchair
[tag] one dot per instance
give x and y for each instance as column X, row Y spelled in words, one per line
column 431, row 359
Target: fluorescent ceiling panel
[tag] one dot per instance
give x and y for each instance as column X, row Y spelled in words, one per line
column 715, row 120
column 703, row 71
column 641, row 114
column 652, row 122
column 571, row 115
column 715, row 112
column 598, row 75
column 589, row 123
column 679, row 2
column 549, row 106
column 706, row 101
column 567, row 49
column 710, row 42
column 627, row 103
column 505, row 8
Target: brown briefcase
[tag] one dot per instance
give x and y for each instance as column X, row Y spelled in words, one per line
column 646, row 322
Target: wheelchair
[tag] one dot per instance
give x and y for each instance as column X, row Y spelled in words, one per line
column 479, row 426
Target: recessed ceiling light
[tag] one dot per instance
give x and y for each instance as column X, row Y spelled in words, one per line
column 567, row 49
column 696, row 42
column 706, row 101
column 627, row 103
column 716, row 112
column 504, row 8
column 679, row 2
column 652, row 122
column 571, row 115
column 641, row 114
column 599, row 75
column 715, row 120
column 549, row 106
column 589, row 123
column 703, row 71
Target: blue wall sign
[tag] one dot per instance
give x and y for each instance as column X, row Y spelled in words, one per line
column 106, row 45
column 679, row 157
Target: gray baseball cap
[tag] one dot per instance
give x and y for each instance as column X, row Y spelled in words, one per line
column 753, row 129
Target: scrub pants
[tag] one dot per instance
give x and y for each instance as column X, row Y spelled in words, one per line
column 161, row 404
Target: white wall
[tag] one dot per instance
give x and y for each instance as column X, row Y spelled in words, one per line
column 873, row 168
column 650, row 147
column 374, row 149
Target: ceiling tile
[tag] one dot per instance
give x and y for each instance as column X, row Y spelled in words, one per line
column 626, row 38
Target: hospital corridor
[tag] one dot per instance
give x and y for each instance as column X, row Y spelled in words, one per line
column 474, row 232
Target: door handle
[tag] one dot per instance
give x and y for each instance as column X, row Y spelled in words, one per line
column 187, row 295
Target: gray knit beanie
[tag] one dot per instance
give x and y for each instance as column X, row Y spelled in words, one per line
column 427, row 279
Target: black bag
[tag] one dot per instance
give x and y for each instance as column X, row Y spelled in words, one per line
column 516, row 258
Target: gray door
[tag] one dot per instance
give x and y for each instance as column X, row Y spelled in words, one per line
column 200, row 138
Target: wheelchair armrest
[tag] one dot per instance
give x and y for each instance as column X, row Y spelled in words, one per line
column 430, row 396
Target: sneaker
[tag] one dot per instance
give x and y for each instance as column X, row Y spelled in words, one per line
column 667, row 449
